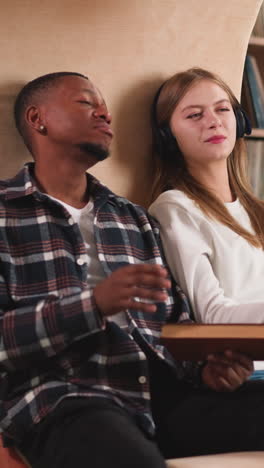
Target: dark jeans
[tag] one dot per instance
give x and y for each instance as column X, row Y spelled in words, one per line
column 208, row 422
column 96, row 433
column 90, row 433
column 201, row 422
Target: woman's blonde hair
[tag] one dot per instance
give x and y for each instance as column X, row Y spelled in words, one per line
column 170, row 170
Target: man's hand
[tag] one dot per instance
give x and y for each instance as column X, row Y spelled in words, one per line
column 227, row 371
column 119, row 290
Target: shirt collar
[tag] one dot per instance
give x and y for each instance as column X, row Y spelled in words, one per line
column 24, row 185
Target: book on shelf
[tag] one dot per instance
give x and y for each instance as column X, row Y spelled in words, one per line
column 258, row 29
column 246, row 101
column 195, row 341
column 255, row 150
column 258, row 77
column 256, row 88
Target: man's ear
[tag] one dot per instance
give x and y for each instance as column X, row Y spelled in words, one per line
column 33, row 118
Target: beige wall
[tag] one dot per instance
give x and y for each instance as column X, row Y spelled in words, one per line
column 127, row 47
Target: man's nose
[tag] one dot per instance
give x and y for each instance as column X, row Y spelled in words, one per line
column 101, row 112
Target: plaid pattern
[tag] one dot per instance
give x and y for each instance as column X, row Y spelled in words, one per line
column 54, row 342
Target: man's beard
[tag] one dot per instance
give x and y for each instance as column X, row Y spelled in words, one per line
column 94, row 149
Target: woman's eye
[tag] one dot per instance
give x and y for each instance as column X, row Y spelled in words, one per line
column 224, row 109
column 196, row 115
column 85, row 102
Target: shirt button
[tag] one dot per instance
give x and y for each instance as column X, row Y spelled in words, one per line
column 70, row 221
column 80, row 261
column 142, row 379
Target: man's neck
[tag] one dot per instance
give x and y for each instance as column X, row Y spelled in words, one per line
column 68, row 184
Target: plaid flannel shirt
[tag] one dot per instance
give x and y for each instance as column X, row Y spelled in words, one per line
column 54, row 342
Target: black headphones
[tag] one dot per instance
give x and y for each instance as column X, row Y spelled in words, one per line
column 166, row 143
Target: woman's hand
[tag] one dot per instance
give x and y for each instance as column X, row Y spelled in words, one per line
column 227, row 371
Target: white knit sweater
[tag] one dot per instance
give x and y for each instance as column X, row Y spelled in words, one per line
column 221, row 273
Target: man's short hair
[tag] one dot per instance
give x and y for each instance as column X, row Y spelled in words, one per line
column 30, row 93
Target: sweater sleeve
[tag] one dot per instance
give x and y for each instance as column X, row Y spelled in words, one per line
column 188, row 251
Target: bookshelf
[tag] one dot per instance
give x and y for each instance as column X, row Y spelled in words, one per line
column 252, row 97
column 256, row 49
column 256, row 133
column 252, row 100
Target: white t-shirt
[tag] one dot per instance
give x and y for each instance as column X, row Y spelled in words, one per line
column 221, row 273
column 84, row 217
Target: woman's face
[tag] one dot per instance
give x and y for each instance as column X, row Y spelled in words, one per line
column 204, row 124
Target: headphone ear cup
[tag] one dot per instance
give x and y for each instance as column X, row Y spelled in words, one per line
column 243, row 125
column 167, row 142
column 170, row 140
column 159, row 139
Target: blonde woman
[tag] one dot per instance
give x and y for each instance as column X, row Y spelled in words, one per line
column 212, row 224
